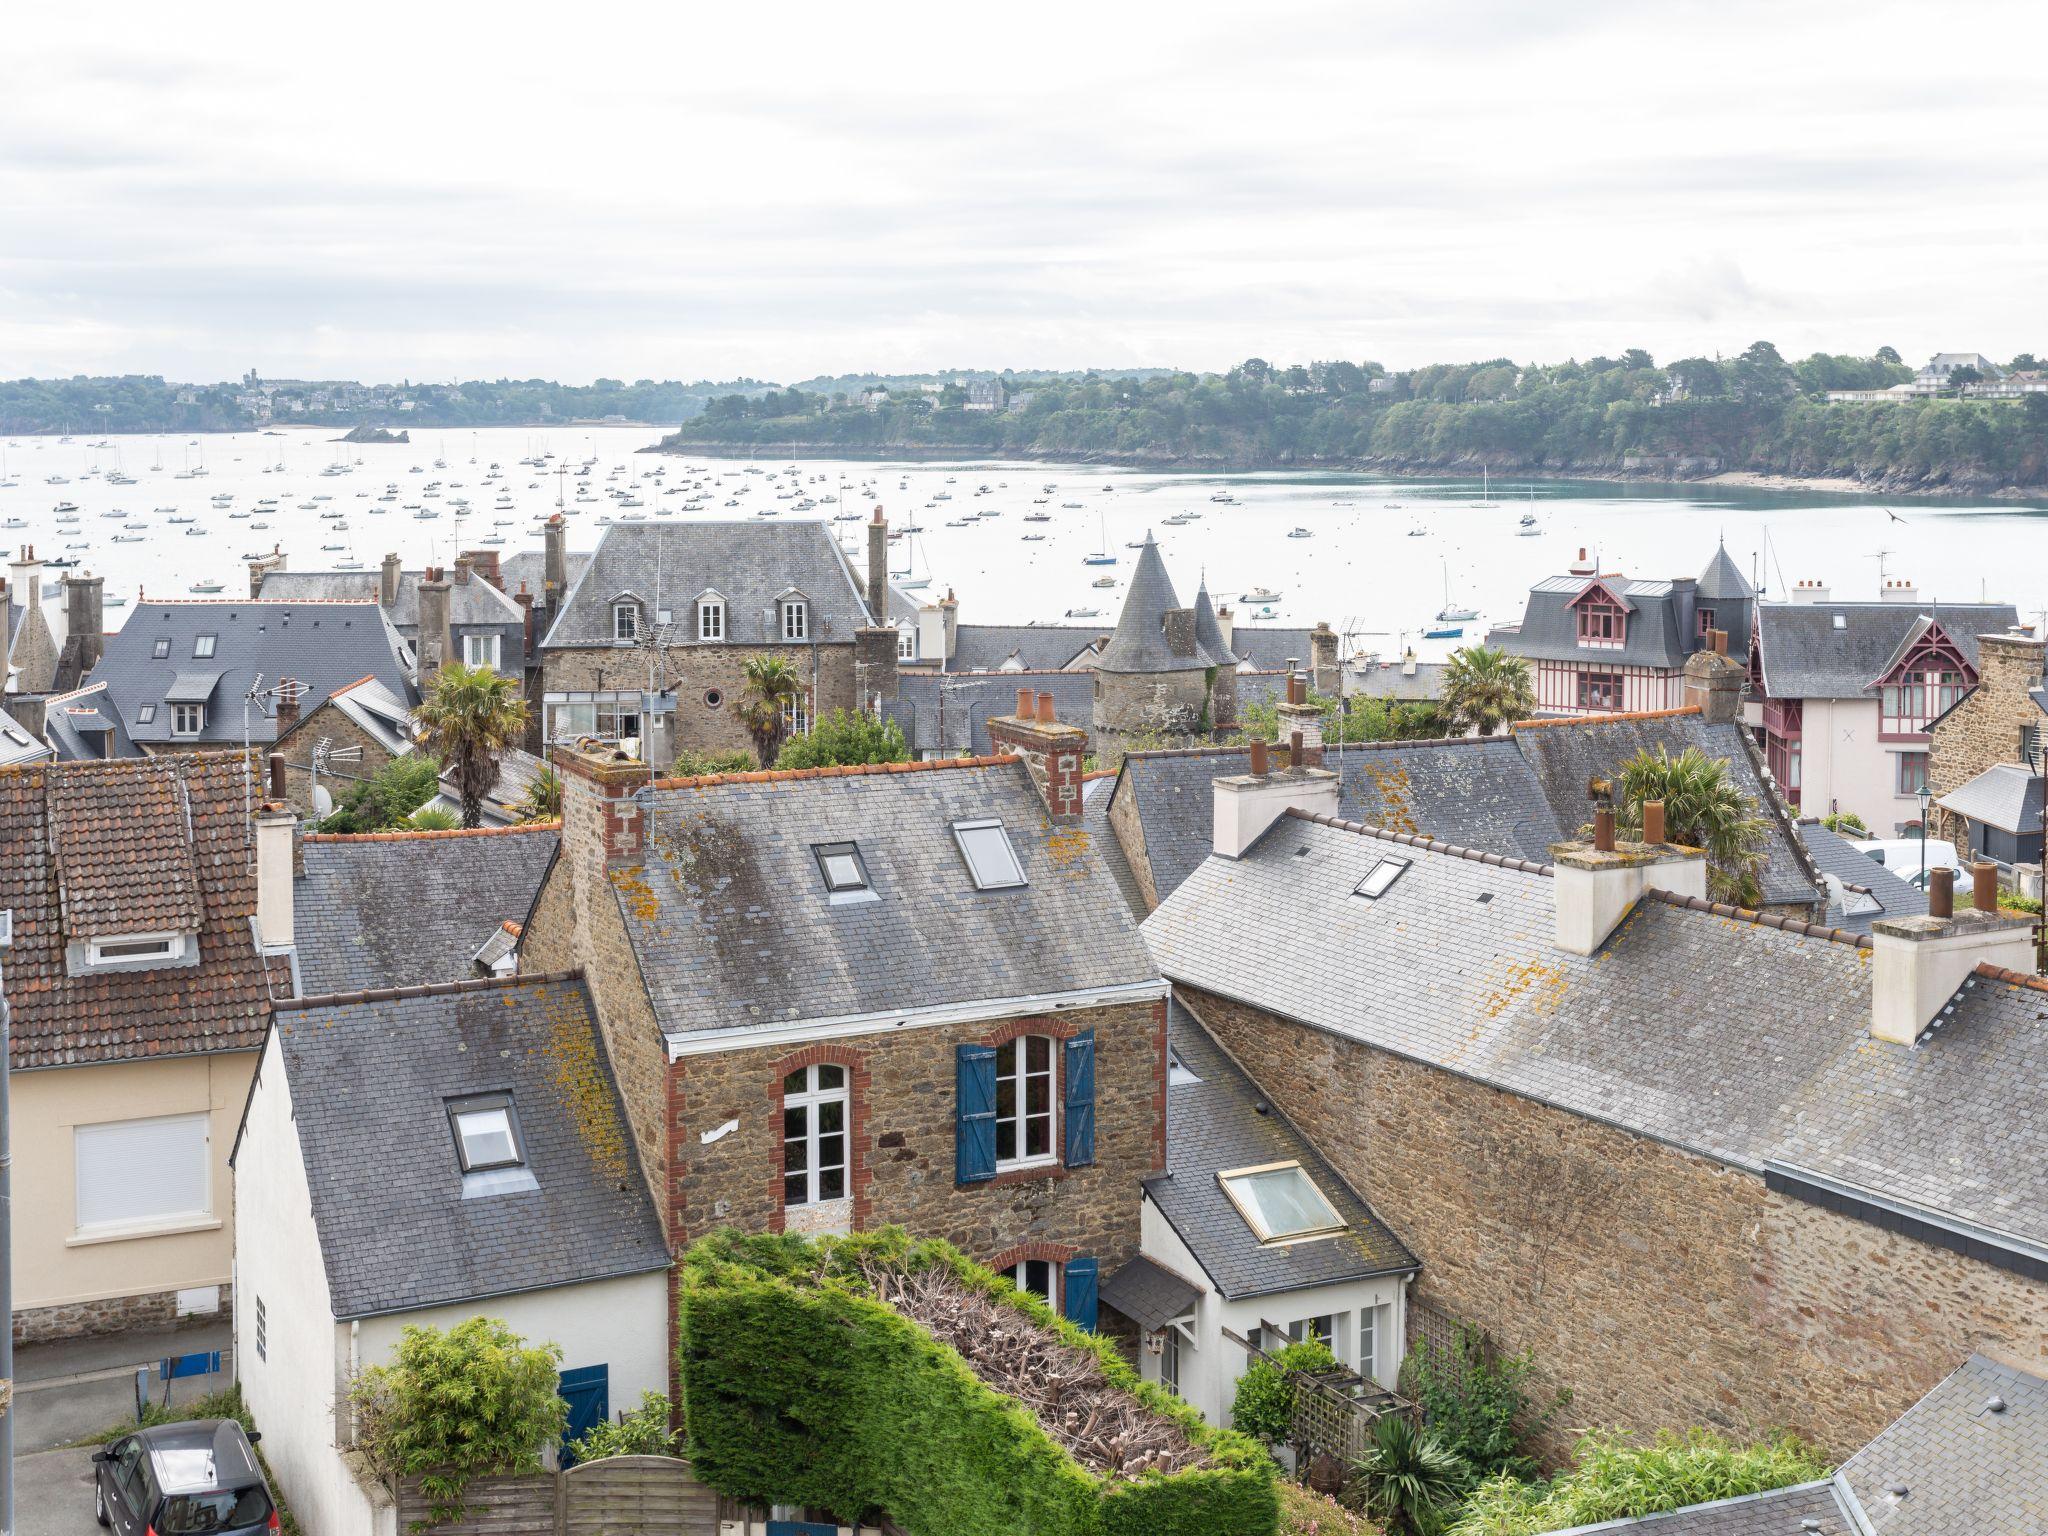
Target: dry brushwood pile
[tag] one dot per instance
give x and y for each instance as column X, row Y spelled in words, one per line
column 1099, row 1424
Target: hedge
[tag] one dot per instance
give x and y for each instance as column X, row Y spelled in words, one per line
column 802, row 1388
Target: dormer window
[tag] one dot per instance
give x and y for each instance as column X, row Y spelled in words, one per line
column 1601, row 624
column 625, row 622
column 796, row 619
column 188, row 719
column 991, row 861
column 202, row 646
column 906, row 643
column 129, row 948
column 486, row 1132
column 711, row 618
column 1705, row 623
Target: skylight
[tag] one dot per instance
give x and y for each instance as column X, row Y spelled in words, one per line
column 202, row 645
column 1841, row 621
column 1280, row 1202
column 486, row 1132
column 161, row 648
column 990, row 858
column 845, row 872
column 1380, row 878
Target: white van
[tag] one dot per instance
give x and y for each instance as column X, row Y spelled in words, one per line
column 1906, row 857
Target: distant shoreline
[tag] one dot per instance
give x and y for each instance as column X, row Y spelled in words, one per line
column 1660, row 474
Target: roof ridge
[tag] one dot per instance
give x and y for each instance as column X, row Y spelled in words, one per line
column 1329, row 749
column 254, row 602
column 837, row 771
column 2017, row 978
column 1764, row 919
column 1427, row 844
column 1613, row 719
column 424, row 989
column 422, row 834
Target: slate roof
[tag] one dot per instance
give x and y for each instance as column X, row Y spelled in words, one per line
column 2005, row 795
column 1149, row 1294
column 1209, row 633
column 731, row 924
column 1772, row 1064
column 1269, row 647
column 323, row 645
column 370, row 1083
column 1782, row 1512
column 1721, row 581
column 1031, row 647
column 1806, row 657
column 1967, row 1470
column 400, row 910
column 1659, row 631
column 1835, row 855
column 1095, row 797
column 530, row 566
column 1566, row 755
column 83, row 725
column 474, row 601
column 377, row 711
column 1139, row 643
column 502, row 806
column 1218, row 1124
column 949, row 711
column 17, row 745
column 1390, row 680
column 749, row 564
column 157, row 834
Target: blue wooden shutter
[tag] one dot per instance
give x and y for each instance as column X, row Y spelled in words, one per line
column 1080, row 1105
column 1080, row 1292
column 974, row 1129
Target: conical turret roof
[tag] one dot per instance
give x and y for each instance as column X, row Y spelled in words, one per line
column 1722, row 580
column 1208, row 633
column 1139, row 644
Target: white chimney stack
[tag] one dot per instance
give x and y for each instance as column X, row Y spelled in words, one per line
column 275, row 826
column 1809, row 593
column 1920, row 962
column 1900, row 592
column 1596, row 884
column 1246, row 804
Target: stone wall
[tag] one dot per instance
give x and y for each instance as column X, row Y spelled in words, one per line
column 152, row 1310
column 1149, row 709
column 1662, row 1288
column 901, row 1148
column 337, row 778
column 1130, row 836
column 698, row 671
column 1985, row 727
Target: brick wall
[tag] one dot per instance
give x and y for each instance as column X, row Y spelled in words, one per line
column 1664, row 1289
column 696, row 670
column 901, row 1146
column 1985, row 727
column 337, row 778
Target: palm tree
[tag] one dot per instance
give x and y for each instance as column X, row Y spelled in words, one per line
column 543, row 800
column 1485, row 688
column 771, row 684
column 1407, row 1477
column 469, row 716
column 1702, row 809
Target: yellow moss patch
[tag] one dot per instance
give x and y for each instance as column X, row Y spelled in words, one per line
column 578, row 1074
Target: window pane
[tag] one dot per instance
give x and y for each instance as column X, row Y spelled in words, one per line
column 794, row 1082
column 1038, row 1135
column 796, row 1189
column 1282, row 1201
column 486, row 1137
column 832, row 1183
column 795, row 1120
column 831, row 1116
column 831, row 1076
column 990, row 859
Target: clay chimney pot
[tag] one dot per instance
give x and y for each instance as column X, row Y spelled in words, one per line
column 1653, row 821
column 1984, row 886
column 1603, row 828
column 1260, row 766
column 1941, row 892
column 1045, row 710
column 1024, row 703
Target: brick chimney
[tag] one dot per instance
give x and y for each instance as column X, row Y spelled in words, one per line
column 602, row 813
column 289, row 692
column 1244, row 805
column 387, row 582
column 484, row 562
column 1052, row 751
column 1920, row 962
column 275, row 825
column 1322, row 662
column 1714, row 680
column 878, row 568
column 554, row 564
column 85, row 616
column 1596, row 884
column 1299, row 717
column 436, row 647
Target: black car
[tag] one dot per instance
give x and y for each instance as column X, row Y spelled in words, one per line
column 200, row 1478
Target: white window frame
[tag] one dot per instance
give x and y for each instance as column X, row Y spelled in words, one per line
column 159, row 1222
column 796, row 619
column 1330, row 1333
column 811, row 1102
column 1055, row 1280
column 173, row 948
column 181, row 713
column 625, row 622
column 906, row 643
column 1013, row 1068
column 1249, row 1210
column 482, row 650
column 711, row 618
column 1366, row 1343
column 974, row 870
column 1169, row 1358
column 796, row 713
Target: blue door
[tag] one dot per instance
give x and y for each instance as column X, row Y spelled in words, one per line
column 587, row 1390
column 802, row 1528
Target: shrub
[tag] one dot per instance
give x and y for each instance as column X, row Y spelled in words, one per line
column 1264, row 1405
column 1408, row 1477
column 804, row 1388
column 699, row 765
column 451, row 1406
column 432, row 818
column 1614, row 1477
column 387, row 797
column 642, row 1432
column 1847, row 823
column 841, row 739
column 1479, row 1406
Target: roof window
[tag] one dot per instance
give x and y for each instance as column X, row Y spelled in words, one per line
column 990, row 858
column 844, row 870
column 1380, row 878
column 1280, row 1202
column 486, row 1132
column 202, row 645
column 145, row 714
column 1841, row 621
column 161, row 648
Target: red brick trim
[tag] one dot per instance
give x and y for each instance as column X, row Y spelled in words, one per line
column 859, row 1166
column 1057, row 1253
column 1158, row 1090
column 1030, row 1024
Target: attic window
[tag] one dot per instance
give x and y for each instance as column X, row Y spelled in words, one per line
column 625, row 621
column 1841, row 621
column 202, row 645
column 990, row 858
column 486, row 1132
column 161, row 648
column 796, row 619
column 1280, row 1202
column 1380, row 878
column 845, row 872
column 135, row 946
column 145, row 713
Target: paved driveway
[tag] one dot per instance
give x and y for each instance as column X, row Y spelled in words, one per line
column 53, row 1494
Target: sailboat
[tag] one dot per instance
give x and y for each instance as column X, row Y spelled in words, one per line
column 1101, row 556
column 904, row 579
column 1485, row 503
column 1450, row 613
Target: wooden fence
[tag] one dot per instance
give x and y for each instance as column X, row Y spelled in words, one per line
column 617, row 1496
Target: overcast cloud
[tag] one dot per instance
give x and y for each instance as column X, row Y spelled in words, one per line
column 780, row 190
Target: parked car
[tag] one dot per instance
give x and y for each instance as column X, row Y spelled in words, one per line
column 198, row 1478
column 1904, row 856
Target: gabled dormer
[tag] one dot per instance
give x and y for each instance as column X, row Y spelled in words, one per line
column 1600, row 613
column 709, row 612
column 629, row 617
column 793, row 615
column 1924, row 678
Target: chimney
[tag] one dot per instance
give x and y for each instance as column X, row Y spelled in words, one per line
column 30, row 711
column 262, row 566
column 555, row 564
column 25, row 576
column 602, row 814
column 1179, row 624
column 1244, row 805
column 1810, row 593
column 484, row 562
column 1919, row 963
column 85, row 616
column 387, row 582
column 275, row 824
column 1299, row 718
column 1714, row 681
column 1322, row 659
column 1597, row 883
column 289, row 691
column 436, row 647
column 1052, row 752
column 949, row 613
column 462, row 569
column 1900, row 592
column 874, row 664
column 878, row 568
column 1584, row 566
column 1409, row 664
column 1228, row 626
column 524, row 599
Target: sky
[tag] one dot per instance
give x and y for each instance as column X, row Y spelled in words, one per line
column 437, row 191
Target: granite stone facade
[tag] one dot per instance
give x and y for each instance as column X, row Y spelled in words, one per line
column 151, row 1310
column 332, row 725
column 700, row 674
column 1984, row 728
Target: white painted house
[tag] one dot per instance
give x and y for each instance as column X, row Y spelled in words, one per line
column 444, row 1153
